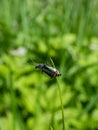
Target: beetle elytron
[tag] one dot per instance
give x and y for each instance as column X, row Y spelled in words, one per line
column 52, row 72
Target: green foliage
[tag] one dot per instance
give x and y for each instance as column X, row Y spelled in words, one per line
column 36, row 30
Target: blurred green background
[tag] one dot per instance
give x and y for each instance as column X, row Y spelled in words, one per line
column 66, row 31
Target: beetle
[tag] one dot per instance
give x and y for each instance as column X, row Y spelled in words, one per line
column 52, row 72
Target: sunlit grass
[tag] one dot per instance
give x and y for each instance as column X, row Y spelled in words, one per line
column 33, row 23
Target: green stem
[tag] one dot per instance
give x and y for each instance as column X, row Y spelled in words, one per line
column 60, row 94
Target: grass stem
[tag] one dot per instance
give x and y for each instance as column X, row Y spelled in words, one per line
column 60, row 94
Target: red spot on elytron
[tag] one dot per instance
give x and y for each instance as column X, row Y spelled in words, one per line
column 55, row 74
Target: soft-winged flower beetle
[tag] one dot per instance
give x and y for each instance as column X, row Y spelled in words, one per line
column 52, row 72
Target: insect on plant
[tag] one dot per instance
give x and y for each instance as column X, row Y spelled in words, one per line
column 51, row 71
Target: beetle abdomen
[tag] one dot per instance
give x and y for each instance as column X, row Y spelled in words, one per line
column 47, row 71
column 52, row 72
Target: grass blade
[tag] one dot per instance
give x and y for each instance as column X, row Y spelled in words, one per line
column 60, row 94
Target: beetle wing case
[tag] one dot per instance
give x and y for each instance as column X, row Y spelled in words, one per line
column 52, row 72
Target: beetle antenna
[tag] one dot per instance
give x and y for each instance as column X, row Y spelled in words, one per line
column 31, row 61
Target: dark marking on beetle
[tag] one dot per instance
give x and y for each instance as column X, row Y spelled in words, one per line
column 52, row 72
